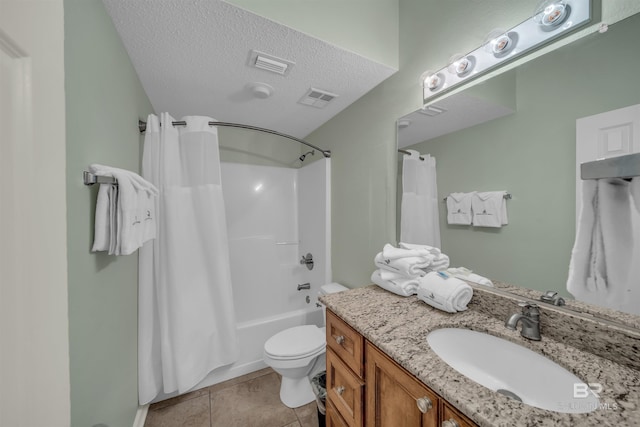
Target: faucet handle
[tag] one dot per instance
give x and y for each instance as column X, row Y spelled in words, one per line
column 529, row 307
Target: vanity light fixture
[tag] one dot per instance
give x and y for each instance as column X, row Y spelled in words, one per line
column 552, row 19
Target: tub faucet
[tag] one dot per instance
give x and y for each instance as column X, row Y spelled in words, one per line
column 304, row 286
column 530, row 318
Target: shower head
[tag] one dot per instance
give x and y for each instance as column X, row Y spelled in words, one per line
column 312, row 152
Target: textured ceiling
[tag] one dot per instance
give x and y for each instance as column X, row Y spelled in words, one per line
column 192, row 59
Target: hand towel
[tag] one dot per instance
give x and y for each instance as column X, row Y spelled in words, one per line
column 602, row 260
column 447, row 294
column 102, row 221
column 409, row 267
column 132, row 211
column 459, row 208
column 391, row 252
column 395, row 283
column 489, row 209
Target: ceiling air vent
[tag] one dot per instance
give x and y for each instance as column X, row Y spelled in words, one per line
column 270, row 63
column 431, row 110
column 317, row 98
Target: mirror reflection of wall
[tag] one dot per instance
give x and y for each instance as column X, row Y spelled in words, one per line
column 531, row 153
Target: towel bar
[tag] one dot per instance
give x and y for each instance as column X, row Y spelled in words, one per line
column 506, row 196
column 90, row 179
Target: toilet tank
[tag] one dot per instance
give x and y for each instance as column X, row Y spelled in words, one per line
column 329, row 288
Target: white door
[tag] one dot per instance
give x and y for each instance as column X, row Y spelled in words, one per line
column 610, row 134
column 34, row 329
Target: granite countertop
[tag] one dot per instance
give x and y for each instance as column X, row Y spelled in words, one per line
column 399, row 327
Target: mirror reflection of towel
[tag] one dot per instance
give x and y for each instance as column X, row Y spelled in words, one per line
column 489, row 209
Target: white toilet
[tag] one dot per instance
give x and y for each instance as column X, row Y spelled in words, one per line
column 294, row 352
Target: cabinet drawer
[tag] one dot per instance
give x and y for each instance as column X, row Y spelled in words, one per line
column 333, row 418
column 345, row 342
column 452, row 418
column 344, row 390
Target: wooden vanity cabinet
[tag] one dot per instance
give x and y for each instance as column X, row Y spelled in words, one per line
column 365, row 387
column 394, row 397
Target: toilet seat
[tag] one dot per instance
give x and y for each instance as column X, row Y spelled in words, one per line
column 295, row 343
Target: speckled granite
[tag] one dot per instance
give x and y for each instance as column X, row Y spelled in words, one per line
column 616, row 341
column 399, row 326
column 578, row 306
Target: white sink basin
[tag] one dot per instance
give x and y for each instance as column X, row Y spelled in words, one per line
column 512, row 370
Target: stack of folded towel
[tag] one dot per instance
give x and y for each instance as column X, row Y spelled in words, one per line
column 125, row 213
column 400, row 268
column 444, row 292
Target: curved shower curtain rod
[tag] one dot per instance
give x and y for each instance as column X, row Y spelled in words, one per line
column 327, row 153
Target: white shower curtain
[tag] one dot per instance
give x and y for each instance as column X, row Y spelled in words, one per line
column 186, row 317
column 419, row 218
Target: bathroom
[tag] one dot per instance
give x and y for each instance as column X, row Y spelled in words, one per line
column 85, row 315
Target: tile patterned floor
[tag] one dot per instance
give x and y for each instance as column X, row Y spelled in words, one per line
column 252, row 400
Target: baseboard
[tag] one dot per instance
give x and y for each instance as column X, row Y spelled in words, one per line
column 141, row 416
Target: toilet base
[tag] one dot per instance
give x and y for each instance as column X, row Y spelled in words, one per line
column 296, row 392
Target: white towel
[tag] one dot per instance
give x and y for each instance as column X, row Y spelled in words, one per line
column 459, row 208
column 431, row 249
column 466, row 274
column 131, row 211
column 489, row 209
column 391, row 252
column 447, row 294
column 102, row 222
column 409, row 267
column 602, row 260
column 395, row 283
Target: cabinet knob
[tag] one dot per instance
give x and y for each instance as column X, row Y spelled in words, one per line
column 424, row 404
column 450, row 423
column 340, row 339
column 340, row 390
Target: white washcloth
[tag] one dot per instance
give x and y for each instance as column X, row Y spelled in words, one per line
column 431, row 249
column 459, row 208
column 602, row 260
column 391, row 252
column 409, row 267
column 102, row 222
column 130, row 211
column 489, row 209
column 466, row 274
column 447, row 294
column 395, row 283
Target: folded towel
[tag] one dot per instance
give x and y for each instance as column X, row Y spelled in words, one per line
column 130, row 211
column 395, row 283
column 409, row 267
column 459, row 208
column 447, row 294
column 489, row 209
column 431, row 249
column 391, row 252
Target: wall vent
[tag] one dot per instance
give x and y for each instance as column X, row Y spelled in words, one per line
column 270, row 63
column 317, row 98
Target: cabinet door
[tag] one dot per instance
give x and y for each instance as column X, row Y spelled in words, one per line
column 333, row 418
column 346, row 342
column 394, row 397
column 452, row 418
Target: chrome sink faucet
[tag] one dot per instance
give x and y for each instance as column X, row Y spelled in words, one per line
column 530, row 318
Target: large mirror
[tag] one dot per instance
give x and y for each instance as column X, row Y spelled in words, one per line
column 517, row 132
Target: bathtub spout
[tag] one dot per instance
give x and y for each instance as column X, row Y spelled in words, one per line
column 304, row 286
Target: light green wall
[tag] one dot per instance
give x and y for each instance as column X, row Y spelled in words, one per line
column 363, row 139
column 104, row 100
column 257, row 148
column 532, row 155
column 366, row 27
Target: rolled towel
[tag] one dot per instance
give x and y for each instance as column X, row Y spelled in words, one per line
column 410, row 267
column 395, row 283
column 391, row 252
column 447, row 294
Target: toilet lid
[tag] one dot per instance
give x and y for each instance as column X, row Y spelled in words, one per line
column 299, row 341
